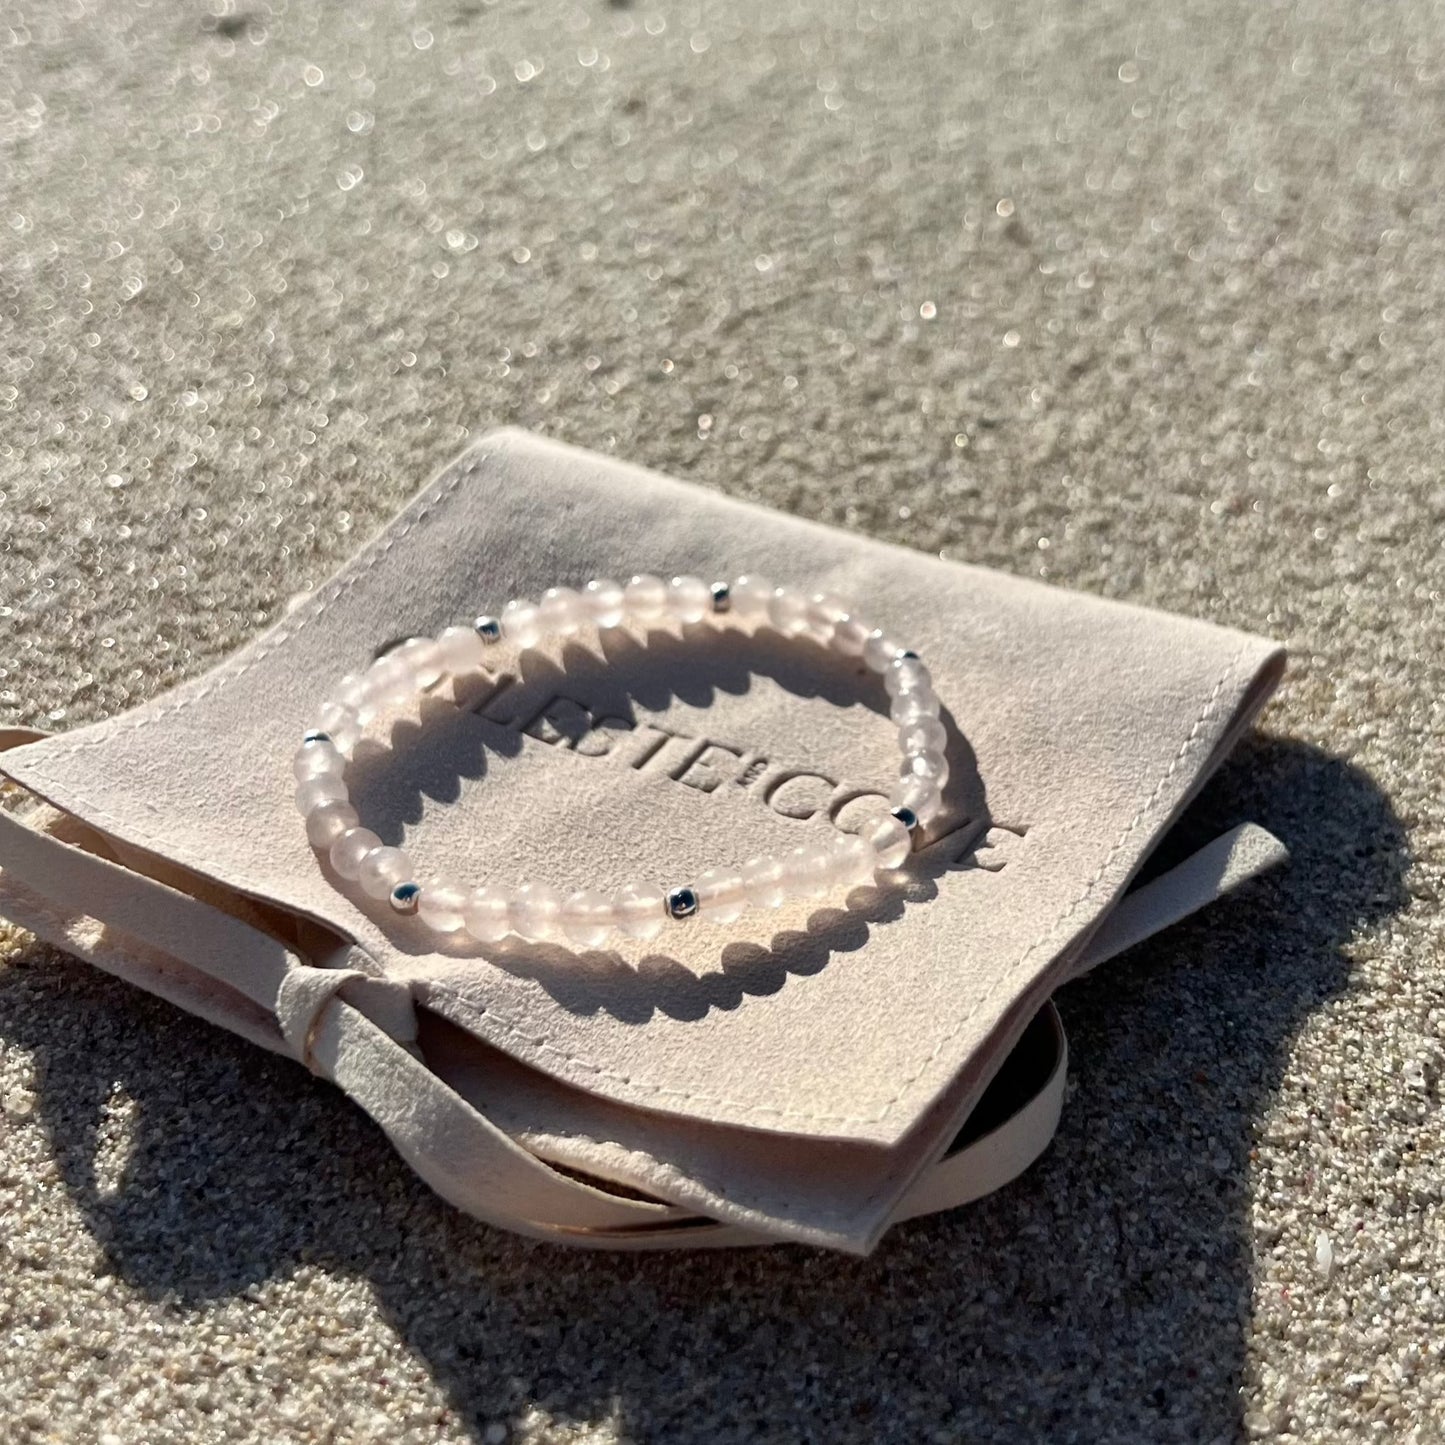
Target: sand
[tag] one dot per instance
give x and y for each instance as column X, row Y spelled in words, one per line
column 1143, row 300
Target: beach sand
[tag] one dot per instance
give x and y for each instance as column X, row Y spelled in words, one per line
column 1142, row 300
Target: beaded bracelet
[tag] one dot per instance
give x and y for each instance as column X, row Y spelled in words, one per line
column 536, row 911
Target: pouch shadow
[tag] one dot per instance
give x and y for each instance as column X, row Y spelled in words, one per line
column 1108, row 1291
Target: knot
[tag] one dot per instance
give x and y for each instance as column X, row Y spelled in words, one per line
column 306, row 994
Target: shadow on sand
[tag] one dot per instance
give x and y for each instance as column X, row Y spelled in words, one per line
column 1123, row 1261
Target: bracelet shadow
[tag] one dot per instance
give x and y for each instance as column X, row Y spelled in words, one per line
column 451, row 743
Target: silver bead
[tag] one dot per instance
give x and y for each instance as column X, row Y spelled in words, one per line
column 722, row 597
column 681, row 902
column 405, row 897
column 316, row 736
column 489, row 629
column 907, row 817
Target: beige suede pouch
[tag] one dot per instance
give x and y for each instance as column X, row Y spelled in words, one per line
column 797, row 1074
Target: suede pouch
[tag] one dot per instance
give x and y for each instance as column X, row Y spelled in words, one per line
column 811, row 1073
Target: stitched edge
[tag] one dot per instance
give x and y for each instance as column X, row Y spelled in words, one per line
column 830, row 1221
column 338, row 587
column 343, row 583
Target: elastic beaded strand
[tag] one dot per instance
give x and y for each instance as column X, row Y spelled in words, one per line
column 587, row 917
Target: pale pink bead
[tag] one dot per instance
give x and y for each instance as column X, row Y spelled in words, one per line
column 925, row 736
column 560, row 611
column 349, row 851
column 441, row 905
column 521, row 623
column 587, row 917
column 537, row 912
column 855, row 860
column 318, row 760
column 880, row 650
column 484, row 914
column 602, row 597
column 639, row 910
column 808, row 870
column 350, row 692
column 423, row 657
column 763, row 882
column 920, row 796
column 909, row 708
column 311, row 794
column 340, row 724
column 788, row 611
column 907, row 674
column 324, row 825
column 823, row 615
column 720, row 895
column 932, row 766
column 851, row 635
column 889, row 839
column 689, row 599
column 645, row 598
column 389, row 683
column 750, row 596
column 381, row 870
column 461, row 650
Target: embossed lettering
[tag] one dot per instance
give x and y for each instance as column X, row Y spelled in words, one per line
column 713, row 765
column 602, row 736
column 561, row 721
column 798, row 795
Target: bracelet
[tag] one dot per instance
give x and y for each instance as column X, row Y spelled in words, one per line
column 536, row 911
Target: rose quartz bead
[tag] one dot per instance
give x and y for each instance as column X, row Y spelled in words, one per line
column 587, row 917
column 441, row 905
column 880, row 650
column 537, row 912
column 720, row 895
column 808, row 870
column 763, row 882
column 932, row 766
column 311, row 794
column 461, row 650
column 907, row 674
column 824, row 613
column 921, row 796
column 350, row 850
column 689, row 599
column 851, row 635
column 888, row 838
column 645, row 598
column 928, row 735
column 318, row 760
column 521, row 623
column 561, row 612
column 340, row 724
column 855, row 860
column 351, row 693
column 423, row 657
column 484, row 914
column 639, row 910
column 602, row 598
column 381, row 870
column 389, row 683
column 788, row 611
column 750, row 596
column 324, row 825
column 909, row 708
